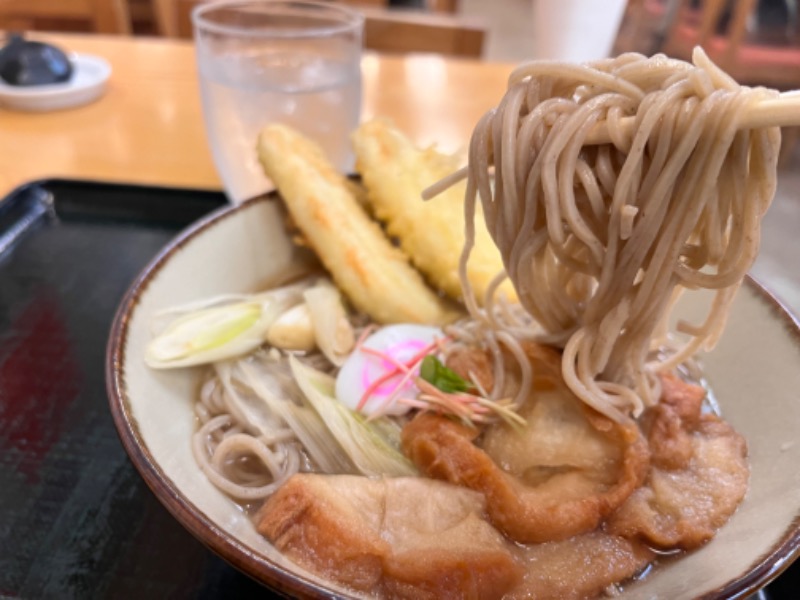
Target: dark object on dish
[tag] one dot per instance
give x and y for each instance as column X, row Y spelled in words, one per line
column 26, row 63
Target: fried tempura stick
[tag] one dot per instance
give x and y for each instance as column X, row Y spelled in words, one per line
column 375, row 276
column 432, row 233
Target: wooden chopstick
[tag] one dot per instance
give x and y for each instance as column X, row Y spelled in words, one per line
column 783, row 111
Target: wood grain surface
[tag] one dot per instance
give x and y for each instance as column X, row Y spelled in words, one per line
column 148, row 127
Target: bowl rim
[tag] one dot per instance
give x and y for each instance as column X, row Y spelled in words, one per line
column 762, row 571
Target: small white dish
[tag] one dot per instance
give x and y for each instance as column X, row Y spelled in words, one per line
column 88, row 82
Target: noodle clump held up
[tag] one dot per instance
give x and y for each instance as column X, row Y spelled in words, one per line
column 333, row 405
column 601, row 240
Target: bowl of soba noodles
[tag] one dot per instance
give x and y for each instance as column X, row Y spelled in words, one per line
column 552, row 379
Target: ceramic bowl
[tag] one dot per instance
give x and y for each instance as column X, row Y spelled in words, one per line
column 755, row 372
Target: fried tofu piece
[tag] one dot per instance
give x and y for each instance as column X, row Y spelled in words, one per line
column 559, row 477
column 395, row 172
column 580, row 567
column 698, row 477
column 376, row 276
column 380, row 536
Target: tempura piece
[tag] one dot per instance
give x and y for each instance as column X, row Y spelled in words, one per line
column 375, row 276
column 378, row 535
column 698, row 476
column 395, row 173
column 567, row 471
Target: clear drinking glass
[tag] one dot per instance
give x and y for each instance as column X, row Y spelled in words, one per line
column 265, row 61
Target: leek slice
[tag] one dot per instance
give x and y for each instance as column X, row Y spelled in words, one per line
column 373, row 446
column 332, row 330
column 275, row 394
column 219, row 328
column 211, row 335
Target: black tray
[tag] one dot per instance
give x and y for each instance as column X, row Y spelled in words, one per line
column 76, row 519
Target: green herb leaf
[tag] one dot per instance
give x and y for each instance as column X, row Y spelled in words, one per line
column 434, row 372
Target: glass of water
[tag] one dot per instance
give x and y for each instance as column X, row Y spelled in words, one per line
column 270, row 61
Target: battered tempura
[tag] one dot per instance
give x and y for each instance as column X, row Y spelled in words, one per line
column 374, row 275
column 395, row 172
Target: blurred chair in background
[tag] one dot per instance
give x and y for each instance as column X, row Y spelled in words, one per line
column 737, row 36
column 402, row 31
column 431, row 27
column 144, row 20
column 756, row 41
column 385, row 30
column 446, row 6
column 99, row 16
column 389, row 26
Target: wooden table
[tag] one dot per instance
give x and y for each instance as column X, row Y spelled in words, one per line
column 90, row 526
column 148, row 127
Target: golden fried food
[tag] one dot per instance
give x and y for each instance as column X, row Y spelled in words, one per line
column 560, row 477
column 375, row 276
column 395, row 173
column 579, row 568
column 376, row 535
column 698, row 475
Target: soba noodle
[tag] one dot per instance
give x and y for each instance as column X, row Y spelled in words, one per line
column 600, row 240
column 246, row 462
